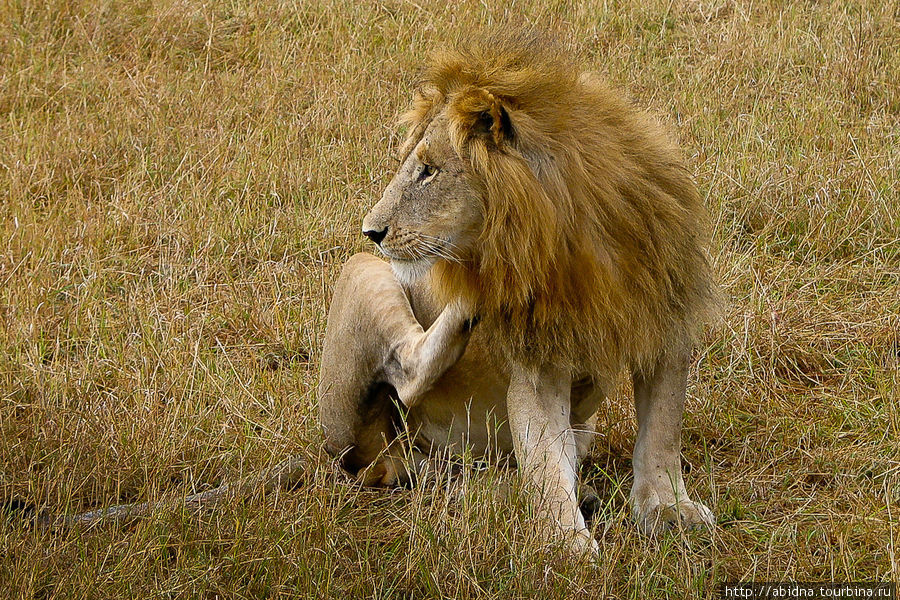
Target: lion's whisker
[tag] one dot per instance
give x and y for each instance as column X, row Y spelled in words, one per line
column 442, row 252
column 440, row 247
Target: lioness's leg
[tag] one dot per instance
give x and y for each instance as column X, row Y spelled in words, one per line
column 539, row 408
column 586, row 397
column 375, row 351
column 658, row 497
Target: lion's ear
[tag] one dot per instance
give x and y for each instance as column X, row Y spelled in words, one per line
column 495, row 123
column 486, row 116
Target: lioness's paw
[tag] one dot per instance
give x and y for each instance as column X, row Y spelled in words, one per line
column 589, row 501
column 654, row 517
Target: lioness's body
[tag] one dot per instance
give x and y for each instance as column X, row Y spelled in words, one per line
column 463, row 409
column 467, row 404
column 455, row 409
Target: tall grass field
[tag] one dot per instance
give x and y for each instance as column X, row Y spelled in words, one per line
column 181, row 181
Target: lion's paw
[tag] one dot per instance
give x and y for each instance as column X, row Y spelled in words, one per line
column 585, row 543
column 654, row 517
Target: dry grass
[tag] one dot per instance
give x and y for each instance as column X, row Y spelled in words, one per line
column 181, row 181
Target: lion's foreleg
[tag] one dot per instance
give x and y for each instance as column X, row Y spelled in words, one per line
column 659, row 499
column 538, row 403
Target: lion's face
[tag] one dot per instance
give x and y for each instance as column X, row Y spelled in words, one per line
column 430, row 211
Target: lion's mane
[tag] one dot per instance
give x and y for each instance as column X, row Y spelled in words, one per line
column 592, row 252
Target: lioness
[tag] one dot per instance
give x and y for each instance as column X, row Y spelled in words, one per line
column 533, row 197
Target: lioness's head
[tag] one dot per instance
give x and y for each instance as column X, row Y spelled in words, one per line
column 431, row 210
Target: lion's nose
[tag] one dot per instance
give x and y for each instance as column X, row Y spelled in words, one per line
column 375, row 235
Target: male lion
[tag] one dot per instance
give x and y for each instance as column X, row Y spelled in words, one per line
column 536, row 199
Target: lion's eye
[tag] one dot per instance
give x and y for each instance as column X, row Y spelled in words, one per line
column 427, row 172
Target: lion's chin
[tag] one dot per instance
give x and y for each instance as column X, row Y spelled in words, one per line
column 410, row 271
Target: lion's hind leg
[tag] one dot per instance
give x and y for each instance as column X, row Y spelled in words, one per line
column 659, row 500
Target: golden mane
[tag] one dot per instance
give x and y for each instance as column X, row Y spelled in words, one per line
column 592, row 253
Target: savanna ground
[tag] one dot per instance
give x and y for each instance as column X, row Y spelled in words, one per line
column 180, row 182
